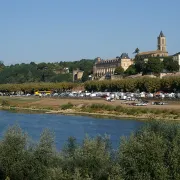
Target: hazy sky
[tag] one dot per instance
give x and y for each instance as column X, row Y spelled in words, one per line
column 67, row 30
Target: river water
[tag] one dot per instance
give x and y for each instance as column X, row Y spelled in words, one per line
column 64, row 126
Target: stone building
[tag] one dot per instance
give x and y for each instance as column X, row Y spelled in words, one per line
column 77, row 75
column 103, row 67
column 161, row 49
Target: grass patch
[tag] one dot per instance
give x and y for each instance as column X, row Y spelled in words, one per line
column 151, row 113
column 67, row 106
column 98, row 107
column 5, row 103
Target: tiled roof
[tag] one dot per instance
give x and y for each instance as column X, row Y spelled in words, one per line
column 150, row 52
column 124, row 56
column 117, row 59
column 108, row 61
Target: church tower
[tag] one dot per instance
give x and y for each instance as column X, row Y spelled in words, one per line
column 161, row 42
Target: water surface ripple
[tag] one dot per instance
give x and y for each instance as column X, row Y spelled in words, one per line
column 64, row 126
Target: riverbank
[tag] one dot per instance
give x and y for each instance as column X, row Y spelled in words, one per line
column 69, row 112
column 91, row 107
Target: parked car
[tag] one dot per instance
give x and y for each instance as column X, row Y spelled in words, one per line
column 159, row 103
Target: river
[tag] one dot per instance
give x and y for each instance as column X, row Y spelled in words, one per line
column 64, row 126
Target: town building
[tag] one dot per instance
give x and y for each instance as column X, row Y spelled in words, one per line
column 77, row 75
column 176, row 57
column 160, row 52
column 104, row 67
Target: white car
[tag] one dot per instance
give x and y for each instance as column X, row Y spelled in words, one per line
column 141, row 104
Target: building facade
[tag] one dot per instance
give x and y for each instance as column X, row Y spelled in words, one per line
column 160, row 52
column 176, row 57
column 104, row 67
column 77, row 75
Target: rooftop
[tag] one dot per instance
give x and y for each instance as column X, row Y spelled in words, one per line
column 124, row 56
column 150, row 52
column 161, row 34
column 176, row 54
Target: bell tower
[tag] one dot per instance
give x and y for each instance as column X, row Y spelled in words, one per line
column 161, row 42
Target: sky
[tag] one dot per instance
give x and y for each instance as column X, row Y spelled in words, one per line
column 69, row 30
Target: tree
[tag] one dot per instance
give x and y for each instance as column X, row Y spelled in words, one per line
column 1, row 65
column 139, row 65
column 85, row 76
column 12, row 152
column 136, row 51
column 131, row 70
column 170, row 65
column 154, row 65
column 61, row 78
column 119, row 71
column 70, row 147
column 42, row 66
column 153, row 152
column 44, row 155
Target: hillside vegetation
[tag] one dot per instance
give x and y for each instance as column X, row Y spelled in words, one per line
column 43, row 72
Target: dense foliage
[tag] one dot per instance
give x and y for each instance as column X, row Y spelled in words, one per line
column 43, row 72
column 155, row 65
column 171, row 84
column 131, row 70
column 153, row 152
column 32, row 87
column 119, row 71
column 170, row 65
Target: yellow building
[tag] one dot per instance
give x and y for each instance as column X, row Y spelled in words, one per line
column 103, row 67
